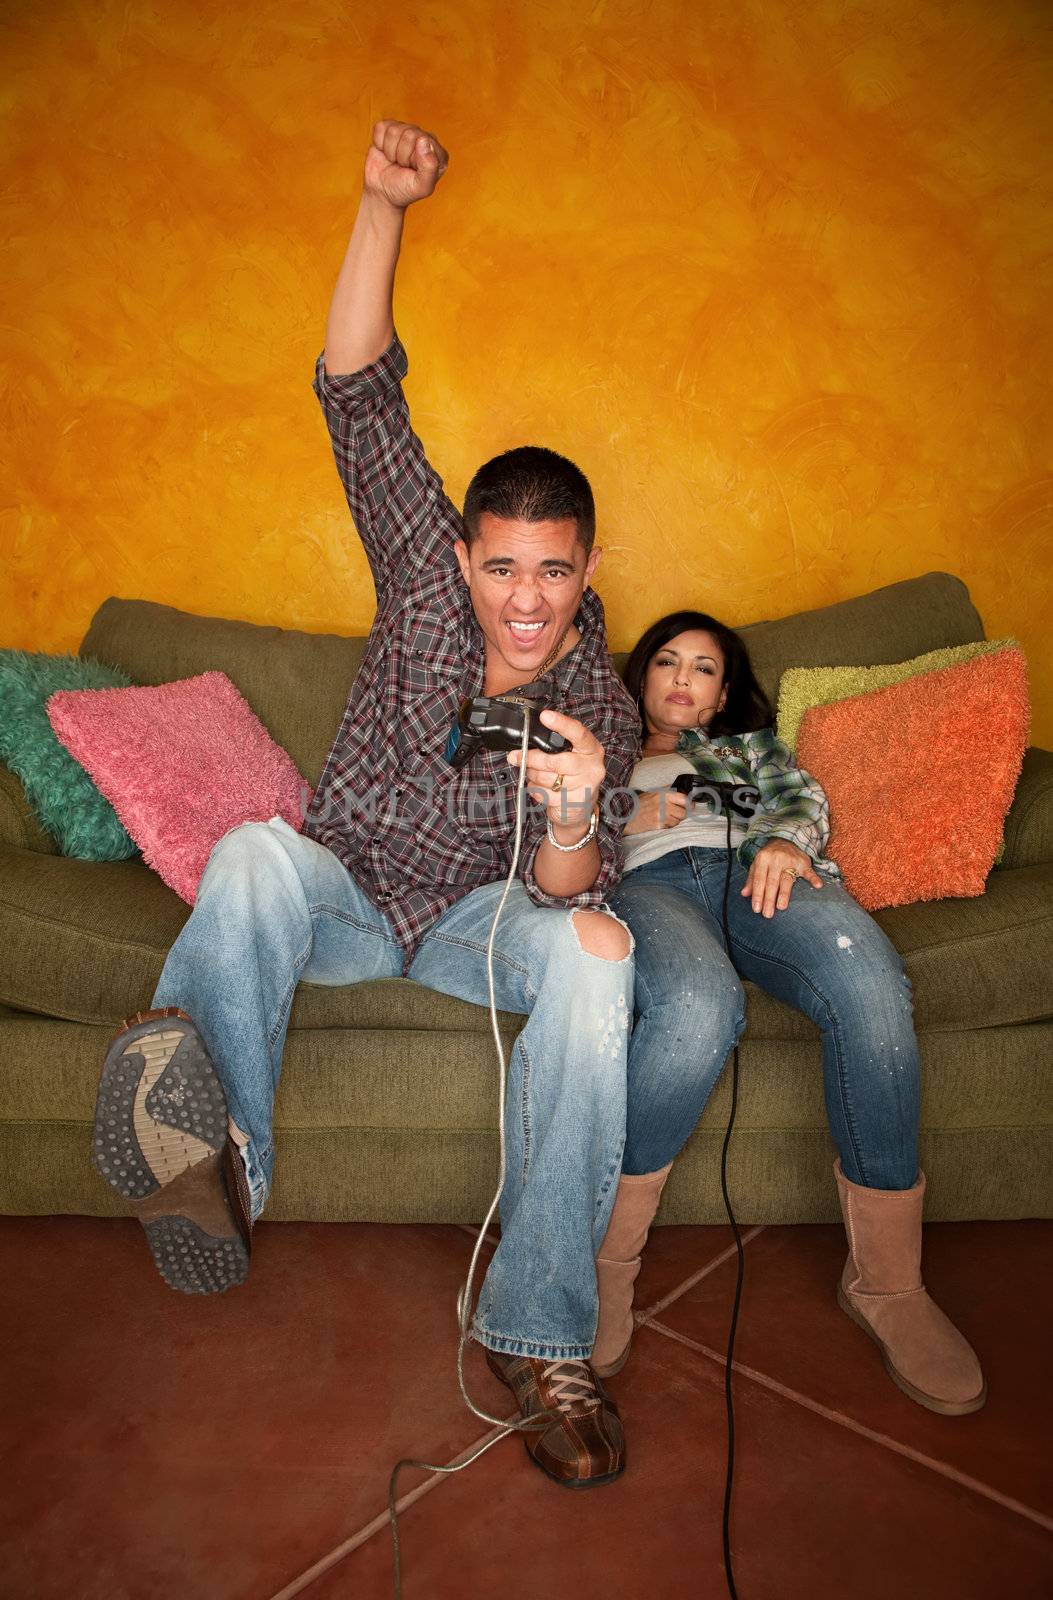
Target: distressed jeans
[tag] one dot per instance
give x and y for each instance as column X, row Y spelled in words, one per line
column 273, row 907
column 823, row 954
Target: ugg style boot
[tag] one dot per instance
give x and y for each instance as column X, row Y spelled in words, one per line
column 881, row 1289
column 618, row 1267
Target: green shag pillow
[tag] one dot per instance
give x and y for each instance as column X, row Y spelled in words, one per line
column 800, row 688
column 69, row 806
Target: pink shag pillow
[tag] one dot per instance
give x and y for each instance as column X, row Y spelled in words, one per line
column 181, row 764
column 920, row 776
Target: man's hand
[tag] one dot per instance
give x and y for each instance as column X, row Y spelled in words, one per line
column 404, row 163
column 582, row 768
column 773, row 873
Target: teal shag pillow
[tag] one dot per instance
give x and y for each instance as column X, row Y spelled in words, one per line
column 68, row 804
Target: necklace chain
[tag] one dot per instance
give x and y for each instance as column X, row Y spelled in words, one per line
column 550, row 658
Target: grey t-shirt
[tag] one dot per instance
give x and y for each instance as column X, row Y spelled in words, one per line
column 700, row 831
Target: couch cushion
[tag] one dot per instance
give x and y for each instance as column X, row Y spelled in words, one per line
column 69, row 804
column 369, row 1129
column 297, row 683
column 183, row 763
column 83, row 940
column 334, row 1080
column 86, row 941
column 918, row 788
column 980, row 963
column 802, row 688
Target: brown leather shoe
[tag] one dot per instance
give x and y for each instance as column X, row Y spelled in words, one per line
column 579, row 1440
column 161, row 1142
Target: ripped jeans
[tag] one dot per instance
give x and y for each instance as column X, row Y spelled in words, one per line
column 274, row 908
column 823, row 954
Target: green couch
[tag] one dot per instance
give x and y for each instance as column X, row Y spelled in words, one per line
column 386, row 1105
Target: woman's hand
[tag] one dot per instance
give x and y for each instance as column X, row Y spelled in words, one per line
column 659, row 808
column 773, row 873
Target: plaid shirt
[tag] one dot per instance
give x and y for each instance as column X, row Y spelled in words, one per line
column 792, row 805
column 415, row 834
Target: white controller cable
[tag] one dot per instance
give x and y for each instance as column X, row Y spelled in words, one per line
column 464, row 1298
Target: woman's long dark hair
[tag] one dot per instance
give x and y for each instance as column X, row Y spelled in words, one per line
column 746, row 708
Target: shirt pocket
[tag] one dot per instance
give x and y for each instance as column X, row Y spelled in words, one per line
column 431, row 675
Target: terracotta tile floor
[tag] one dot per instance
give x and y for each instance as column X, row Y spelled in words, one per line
column 238, row 1448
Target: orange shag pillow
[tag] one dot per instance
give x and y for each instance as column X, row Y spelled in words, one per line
column 920, row 776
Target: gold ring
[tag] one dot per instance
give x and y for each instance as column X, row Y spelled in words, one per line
column 557, row 782
column 792, row 871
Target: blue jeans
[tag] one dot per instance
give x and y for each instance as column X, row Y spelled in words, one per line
column 273, row 907
column 823, row 954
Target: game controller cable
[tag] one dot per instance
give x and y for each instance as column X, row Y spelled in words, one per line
column 505, row 1425
column 464, row 1298
column 726, row 1517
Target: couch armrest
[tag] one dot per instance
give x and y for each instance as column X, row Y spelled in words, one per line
column 1029, row 825
column 19, row 825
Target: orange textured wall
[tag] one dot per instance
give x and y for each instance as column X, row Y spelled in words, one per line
column 776, row 273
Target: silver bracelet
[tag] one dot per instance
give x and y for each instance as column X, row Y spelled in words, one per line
column 568, row 849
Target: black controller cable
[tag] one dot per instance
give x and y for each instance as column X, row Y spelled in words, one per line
column 726, row 1523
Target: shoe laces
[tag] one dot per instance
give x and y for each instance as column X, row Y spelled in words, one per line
column 571, row 1384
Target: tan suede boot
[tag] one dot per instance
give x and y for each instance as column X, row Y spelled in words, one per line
column 618, row 1267
column 881, row 1289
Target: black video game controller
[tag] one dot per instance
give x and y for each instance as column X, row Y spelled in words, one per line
column 495, row 722
column 724, row 799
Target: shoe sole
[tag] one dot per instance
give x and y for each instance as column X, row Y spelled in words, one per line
column 945, row 1408
column 575, row 1483
column 160, row 1137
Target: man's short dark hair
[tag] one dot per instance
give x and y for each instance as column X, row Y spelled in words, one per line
column 531, row 484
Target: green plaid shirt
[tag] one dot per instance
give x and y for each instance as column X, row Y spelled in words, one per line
column 793, row 806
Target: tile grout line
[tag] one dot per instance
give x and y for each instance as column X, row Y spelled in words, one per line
column 940, row 1467
column 349, row 1546
column 333, row 1557
column 696, row 1277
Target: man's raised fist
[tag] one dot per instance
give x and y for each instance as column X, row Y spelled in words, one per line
column 404, row 163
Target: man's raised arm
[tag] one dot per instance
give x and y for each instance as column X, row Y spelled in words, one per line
column 403, row 165
column 396, row 498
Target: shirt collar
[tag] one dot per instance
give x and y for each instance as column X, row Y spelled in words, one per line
column 590, row 623
column 696, row 742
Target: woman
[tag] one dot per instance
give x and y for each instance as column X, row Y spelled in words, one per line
column 796, row 932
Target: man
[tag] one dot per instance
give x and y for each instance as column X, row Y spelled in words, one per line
column 410, row 885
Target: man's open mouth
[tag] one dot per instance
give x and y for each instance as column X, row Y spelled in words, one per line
column 526, row 632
